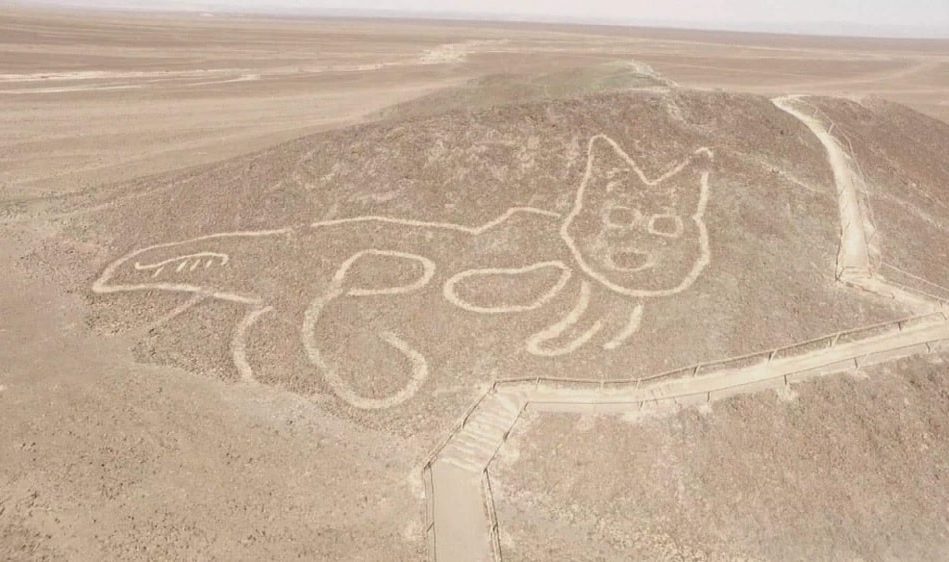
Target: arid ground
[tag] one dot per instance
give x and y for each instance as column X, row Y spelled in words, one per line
column 395, row 290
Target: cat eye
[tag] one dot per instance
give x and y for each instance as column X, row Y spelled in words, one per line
column 669, row 226
column 622, row 217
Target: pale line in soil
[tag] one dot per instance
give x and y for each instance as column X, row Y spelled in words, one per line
column 310, row 344
column 916, row 277
column 438, row 225
column 428, row 271
column 666, row 396
column 451, row 295
column 853, row 258
column 855, row 269
column 704, row 252
column 631, row 327
column 175, row 312
column 102, row 286
column 239, row 343
column 536, row 341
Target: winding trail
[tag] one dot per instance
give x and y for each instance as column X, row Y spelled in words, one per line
column 855, row 265
column 461, row 521
column 853, row 258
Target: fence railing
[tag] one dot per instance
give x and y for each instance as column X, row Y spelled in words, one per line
column 487, row 494
column 733, row 363
column 749, row 359
column 877, row 285
column 494, row 530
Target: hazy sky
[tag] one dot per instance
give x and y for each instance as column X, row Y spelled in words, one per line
column 930, row 16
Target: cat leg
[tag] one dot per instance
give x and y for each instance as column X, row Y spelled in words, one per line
column 239, row 342
column 342, row 287
column 631, row 326
column 539, row 343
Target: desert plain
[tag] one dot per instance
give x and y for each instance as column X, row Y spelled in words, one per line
column 353, row 289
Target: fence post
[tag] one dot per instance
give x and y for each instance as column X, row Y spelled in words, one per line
column 495, row 533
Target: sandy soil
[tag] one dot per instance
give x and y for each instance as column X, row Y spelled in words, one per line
column 87, row 100
column 107, row 459
column 463, row 512
column 902, row 186
column 423, row 170
column 254, row 271
column 851, row 468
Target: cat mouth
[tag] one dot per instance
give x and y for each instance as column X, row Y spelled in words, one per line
column 630, row 260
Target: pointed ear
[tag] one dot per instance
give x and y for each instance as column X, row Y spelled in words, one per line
column 606, row 158
column 606, row 163
column 702, row 159
column 689, row 182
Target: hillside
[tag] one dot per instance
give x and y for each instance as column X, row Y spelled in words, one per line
column 772, row 230
column 383, row 277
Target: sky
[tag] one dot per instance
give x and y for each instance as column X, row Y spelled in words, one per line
column 852, row 17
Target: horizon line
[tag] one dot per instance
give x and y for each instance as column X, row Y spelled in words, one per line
column 821, row 29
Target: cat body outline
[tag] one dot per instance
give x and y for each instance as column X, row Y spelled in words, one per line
column 627, row 235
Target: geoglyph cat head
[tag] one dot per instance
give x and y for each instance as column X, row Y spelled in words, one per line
column 639, row 236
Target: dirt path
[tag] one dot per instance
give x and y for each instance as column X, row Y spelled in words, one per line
column 855, row 259
column 462, row 524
